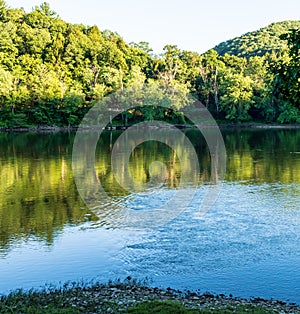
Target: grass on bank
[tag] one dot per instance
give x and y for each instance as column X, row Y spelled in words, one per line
column 15, row 304
column 168, row 307
column 78, row 298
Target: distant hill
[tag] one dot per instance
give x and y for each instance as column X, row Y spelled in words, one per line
column 259, row 42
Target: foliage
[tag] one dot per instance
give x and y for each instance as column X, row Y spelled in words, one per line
column 287, row 71
column 237, row 100
column 288, row 114
column 260, row 42
column 52, row 72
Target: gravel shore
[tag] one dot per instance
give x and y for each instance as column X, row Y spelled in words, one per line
column 127, row 295
column 118, row 297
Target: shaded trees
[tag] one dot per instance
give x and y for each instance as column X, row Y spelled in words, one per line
column 286, row 83
column 287, row 70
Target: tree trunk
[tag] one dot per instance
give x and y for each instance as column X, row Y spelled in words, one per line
column 216, row 91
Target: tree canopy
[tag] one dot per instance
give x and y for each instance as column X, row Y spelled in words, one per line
column 52, row 72
column 259, row 42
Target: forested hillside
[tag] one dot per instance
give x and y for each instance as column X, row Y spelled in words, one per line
column 260, row 42
column 52, row 72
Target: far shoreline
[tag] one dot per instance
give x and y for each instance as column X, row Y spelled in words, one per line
column 222, row 126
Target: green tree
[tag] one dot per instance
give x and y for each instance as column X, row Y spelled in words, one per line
column 52, row 71
column 287, row 73
column 237, row 98
column 8, row 47
column 208, row 87
column 3, row 10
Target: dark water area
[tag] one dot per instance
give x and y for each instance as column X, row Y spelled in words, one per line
column 247, row 244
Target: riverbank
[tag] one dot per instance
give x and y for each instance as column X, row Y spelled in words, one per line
column 133, row 297
column 53, row 129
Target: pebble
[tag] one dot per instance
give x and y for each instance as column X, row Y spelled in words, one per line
column 124, row 295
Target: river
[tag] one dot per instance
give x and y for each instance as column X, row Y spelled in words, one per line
column 247, row 243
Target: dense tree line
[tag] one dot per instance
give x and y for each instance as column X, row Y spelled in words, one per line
column 52, row 72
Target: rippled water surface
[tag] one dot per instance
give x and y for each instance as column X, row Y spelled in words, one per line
column 247, row 244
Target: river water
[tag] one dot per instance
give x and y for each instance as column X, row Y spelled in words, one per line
column 247, row 243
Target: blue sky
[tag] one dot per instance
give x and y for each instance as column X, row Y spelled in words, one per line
column 194, row 25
